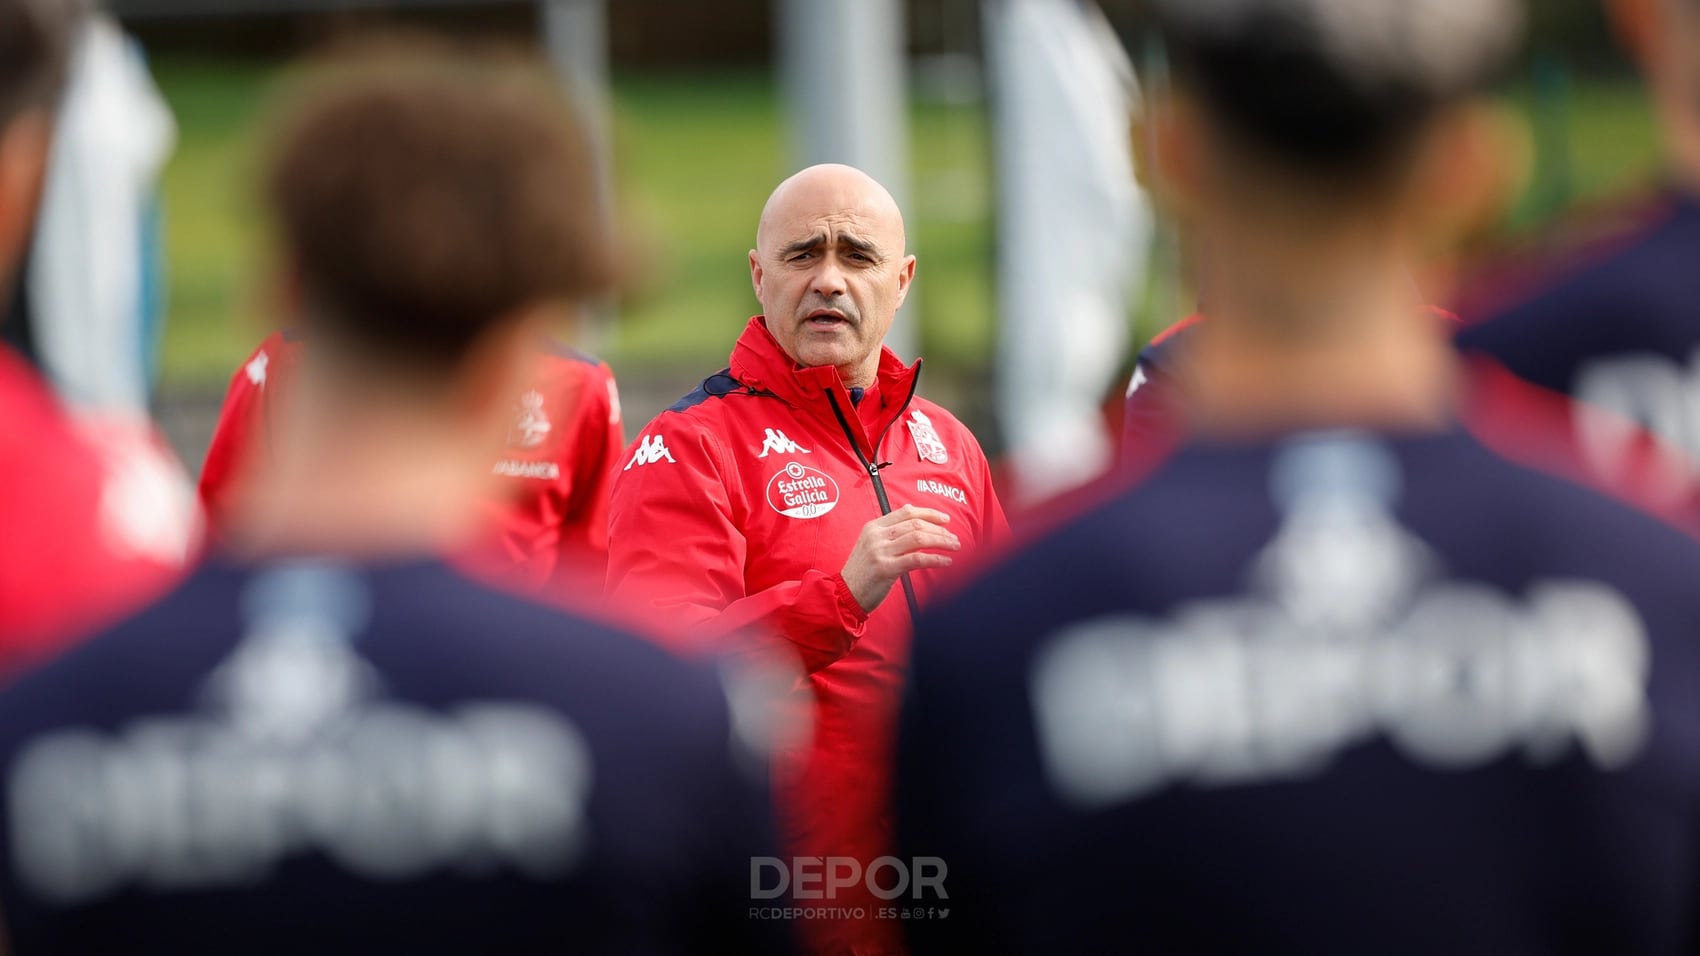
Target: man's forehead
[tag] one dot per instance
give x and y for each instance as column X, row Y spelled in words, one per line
column 830, row 201
column 833, row 227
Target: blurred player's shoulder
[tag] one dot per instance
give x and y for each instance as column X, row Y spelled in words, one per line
column 555, row 789
column 1160, row 352
column 1596, row 244
column 569, row 377
column 97, row 512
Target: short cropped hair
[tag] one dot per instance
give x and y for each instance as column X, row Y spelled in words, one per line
column 425, row 192
column 1332, row 86
column 35, row 39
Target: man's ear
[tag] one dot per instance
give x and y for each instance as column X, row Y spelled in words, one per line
column 24, row 146
column 905, row 278
column 1175, row 154
column 755, row 273
column 1475, row 165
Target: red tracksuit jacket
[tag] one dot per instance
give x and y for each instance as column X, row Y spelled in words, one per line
column 735, row 511
column 95, row 518
column 551, row 517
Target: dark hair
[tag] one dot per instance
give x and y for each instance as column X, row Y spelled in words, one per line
column 35, row 37
column 1332, row 86
column 425, row 192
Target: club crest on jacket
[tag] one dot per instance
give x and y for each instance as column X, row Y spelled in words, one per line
column 530, row 426
column 927, row 442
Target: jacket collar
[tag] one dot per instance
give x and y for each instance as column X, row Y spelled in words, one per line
column 759, row 362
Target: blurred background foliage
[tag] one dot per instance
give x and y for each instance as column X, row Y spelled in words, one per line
column 698, row 144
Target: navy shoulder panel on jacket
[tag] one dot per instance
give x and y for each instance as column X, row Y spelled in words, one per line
column 718, row 385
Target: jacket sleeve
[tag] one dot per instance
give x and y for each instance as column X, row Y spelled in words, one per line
column 677, row 548
column 993, row 523
column 596, row 449
column 241, row 423
column 1153, row 415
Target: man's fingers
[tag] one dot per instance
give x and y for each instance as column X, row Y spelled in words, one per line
column 927, row 538
column 911, row 512
column 918, row 560
column 914, row 526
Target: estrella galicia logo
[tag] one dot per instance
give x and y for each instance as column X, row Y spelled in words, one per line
column 802, row 492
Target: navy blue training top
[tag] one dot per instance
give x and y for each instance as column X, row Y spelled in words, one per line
column 1617, row 326
column 315, row 756
column 1337, row 693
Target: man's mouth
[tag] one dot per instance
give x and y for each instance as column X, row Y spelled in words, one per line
column 826, row 318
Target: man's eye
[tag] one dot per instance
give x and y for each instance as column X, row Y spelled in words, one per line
column 802, row 257
column 861, row 257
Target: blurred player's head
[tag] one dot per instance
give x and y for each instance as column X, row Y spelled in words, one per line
column 829, row 268
column 1315, row 108
column 1323, row 151
column 34, row 45
column 1664, row 38
column 436, row 209
column 427, row 198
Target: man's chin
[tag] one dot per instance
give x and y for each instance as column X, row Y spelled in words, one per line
column 817, row 356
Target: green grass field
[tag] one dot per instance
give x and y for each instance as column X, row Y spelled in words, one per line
column 695, row 155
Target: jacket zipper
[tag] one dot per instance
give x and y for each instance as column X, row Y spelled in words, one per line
column 875, row 469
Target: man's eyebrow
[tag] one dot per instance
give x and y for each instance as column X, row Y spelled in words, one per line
column 858, row 243
column 803, row 245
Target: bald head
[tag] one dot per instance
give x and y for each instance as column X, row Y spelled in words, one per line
column 830, row 270
column 827, row 188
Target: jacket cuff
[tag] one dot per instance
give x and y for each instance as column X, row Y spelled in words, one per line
column 849, row 609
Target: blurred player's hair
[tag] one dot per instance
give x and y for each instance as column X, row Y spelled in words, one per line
column 426, row 192
column 1333, row 87
column 35, row 39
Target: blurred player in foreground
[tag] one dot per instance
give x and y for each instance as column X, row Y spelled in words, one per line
column 326, row 739
column 549, row 516
column 1616, row 322
column 1337, row 675
column 93, row 515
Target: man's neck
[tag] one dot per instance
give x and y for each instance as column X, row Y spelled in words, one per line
column 860, row 375
column 1681, row 132
column 1297, row 340
column 370, row 480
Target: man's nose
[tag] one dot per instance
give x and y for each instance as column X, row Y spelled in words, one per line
column 829, row 278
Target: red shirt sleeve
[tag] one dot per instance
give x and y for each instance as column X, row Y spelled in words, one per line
column 597, row 446
column 242, row 426
column 98, row 519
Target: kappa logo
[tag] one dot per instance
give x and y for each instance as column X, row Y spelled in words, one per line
column 776, row 443
column 530, row 426
column 927, row 442
column 802, row 492
column 941, row 489
column 649, row 451
column 256, row 369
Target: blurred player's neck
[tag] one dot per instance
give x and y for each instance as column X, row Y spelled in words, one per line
column 1315, row 327
column 1670, row 59
column 366, row 472
column 1679, row 122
